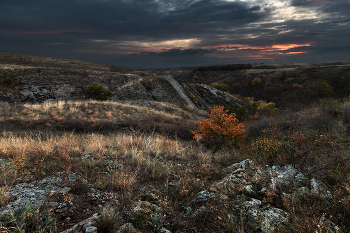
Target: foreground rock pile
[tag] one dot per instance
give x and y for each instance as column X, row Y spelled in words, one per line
column 246, row 185
column 252, row 185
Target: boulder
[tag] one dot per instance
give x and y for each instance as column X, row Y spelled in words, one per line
column 37, row 192
column 254, row 184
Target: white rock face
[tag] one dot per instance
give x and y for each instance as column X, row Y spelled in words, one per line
column 254, row 184
column 319, row 188
column 36, row 193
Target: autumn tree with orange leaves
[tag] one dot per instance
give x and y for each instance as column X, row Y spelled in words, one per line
column 221, row 128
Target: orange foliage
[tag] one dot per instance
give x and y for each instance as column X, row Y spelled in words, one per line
column 220, row 128
column 256, row 82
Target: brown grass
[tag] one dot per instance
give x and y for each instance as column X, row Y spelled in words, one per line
column 101, row 117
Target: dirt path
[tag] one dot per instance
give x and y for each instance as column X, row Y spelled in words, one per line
column 129, row 84
column 182, row 93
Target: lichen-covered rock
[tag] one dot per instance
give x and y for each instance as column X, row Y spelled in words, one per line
column 242, row 175
column 204, row 196
column 287, row 177
column 164, row 230
column 144, row 211
column 255, row 184
column 36, row 192
column 319, row 188
column 84, row 225
column 272, row 218
column 127, row 228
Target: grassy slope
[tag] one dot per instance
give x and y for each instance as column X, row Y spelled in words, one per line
column 53, row 62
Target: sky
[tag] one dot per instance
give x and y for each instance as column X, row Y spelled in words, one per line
column 176, row 33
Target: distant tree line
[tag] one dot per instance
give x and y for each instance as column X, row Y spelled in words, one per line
column 229, row 67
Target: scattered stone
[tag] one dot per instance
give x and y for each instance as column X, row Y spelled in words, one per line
column 87, row 225
column 36, row 193
column 88, row 157
column 204, row 196
column 80, row 226
column 163, row 230
column 91, row 229
column 127, row 228
column 144, row 212
column 150, row 197
column 319, row 188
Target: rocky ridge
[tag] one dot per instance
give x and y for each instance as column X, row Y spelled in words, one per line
column 37, row 85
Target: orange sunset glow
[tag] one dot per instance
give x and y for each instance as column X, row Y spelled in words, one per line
column 278, row 47
column 290, row 46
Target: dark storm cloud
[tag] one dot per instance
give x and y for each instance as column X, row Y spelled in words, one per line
column 121, row 18
column 128, row 31
column 309, row 2
column 336, row 8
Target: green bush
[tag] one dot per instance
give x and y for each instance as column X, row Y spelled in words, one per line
column 317, row 89
column 7, row 79
column 97, row 91
column 222, row 86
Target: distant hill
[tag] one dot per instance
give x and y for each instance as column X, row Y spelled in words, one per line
column 37, row 79
column 53, row 62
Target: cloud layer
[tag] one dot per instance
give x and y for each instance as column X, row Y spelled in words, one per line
column 139, row 33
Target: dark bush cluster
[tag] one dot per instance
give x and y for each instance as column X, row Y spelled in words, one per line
column 229, row 67
column 97, row 91
column 220, row 86
column 8, row 79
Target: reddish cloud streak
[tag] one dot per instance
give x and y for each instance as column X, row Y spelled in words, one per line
column 290, row 46
column 279, row 47
column 291, row 53
column 263, row 52
column 245, row 51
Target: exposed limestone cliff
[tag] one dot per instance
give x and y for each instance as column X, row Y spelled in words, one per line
column 37, row 85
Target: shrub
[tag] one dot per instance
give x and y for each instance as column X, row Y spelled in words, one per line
column 8, row 79
column 261, row 107
column 266, row 108
column 318, row 89
column 303, row 151
column 256, row 82
column 107, row 221
column 221, row 128
column 289, row 80
column 97, row 91
column 222, row 86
